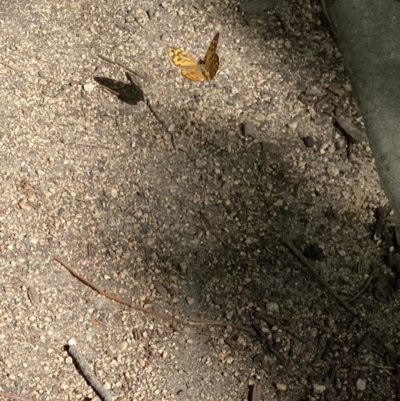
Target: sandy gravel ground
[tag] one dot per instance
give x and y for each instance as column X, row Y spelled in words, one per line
column 176, row 196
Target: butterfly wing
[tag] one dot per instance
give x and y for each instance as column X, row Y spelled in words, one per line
column 211, row 59
column 211, row 49
column 180, row 58
column 212, row 66
column 191, row 68
column 193, row 73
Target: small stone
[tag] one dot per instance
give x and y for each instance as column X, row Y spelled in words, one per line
column 272, row 307
column 287, row 44
column 281, row 386
column 160, row 288
column 273, row 148
column 6, row 194
column 249, row 129
column 24, row 204
column 336, row 90
column 71, row 341
column 150, row 13
column 114, row 193
column 122, row 346
column 189, row 301
column 183, row 267
column 33, row 296
column 318, row 388
column 309, row 141
column 361, row 384
column 338, row 145
column 199, row 163
column 333, row 171
column 347, row 128
column 88, row 87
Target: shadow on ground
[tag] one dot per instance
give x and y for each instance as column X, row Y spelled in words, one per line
column 209, row 223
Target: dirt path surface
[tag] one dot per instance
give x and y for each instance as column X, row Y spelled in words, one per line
column 176, row 196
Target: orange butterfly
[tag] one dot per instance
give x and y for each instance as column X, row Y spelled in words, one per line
column 193, row 69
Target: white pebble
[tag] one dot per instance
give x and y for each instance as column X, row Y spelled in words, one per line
column 361, row 384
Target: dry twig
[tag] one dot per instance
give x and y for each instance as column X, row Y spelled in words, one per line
column 268, row 343
column 87, row 372
column 193, row 321
column 315, row 274
column 365, row 286
column 14, row 67
column 393, row 359
column 12, row 396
